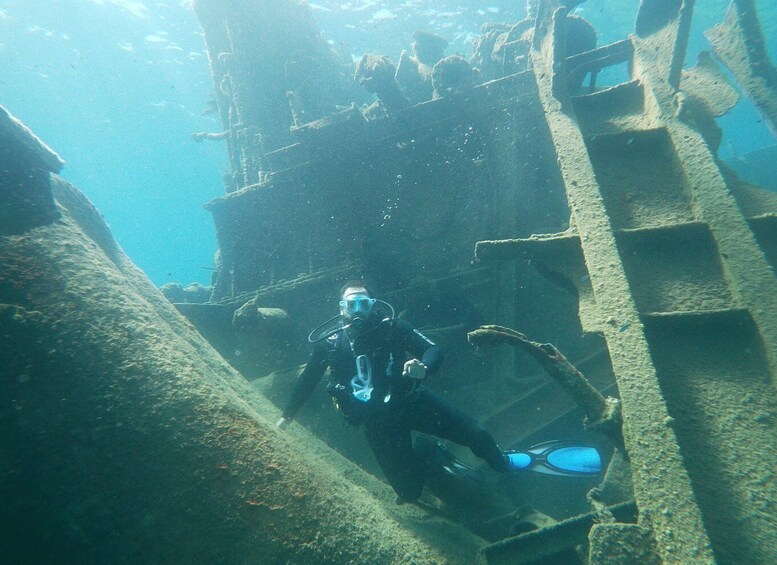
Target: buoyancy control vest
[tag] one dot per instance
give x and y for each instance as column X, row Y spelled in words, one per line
column 368, row 368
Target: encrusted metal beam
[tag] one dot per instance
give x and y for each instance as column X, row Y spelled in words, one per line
column 739, row 43
column 662, row 487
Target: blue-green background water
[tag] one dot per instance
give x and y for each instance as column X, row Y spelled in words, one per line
column 116, row 87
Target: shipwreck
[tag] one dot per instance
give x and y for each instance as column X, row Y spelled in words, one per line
column 518, row 190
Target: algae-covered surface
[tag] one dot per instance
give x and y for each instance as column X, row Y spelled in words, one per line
column 127, row 438
column 590, row 183
column 724, row 406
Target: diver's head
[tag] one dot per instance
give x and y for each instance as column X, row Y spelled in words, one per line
column 356, row 306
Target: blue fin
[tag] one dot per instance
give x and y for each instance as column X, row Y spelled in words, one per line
column 557, row 458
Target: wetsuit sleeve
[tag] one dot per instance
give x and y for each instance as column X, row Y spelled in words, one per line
column 420, row 346
column 308, row 379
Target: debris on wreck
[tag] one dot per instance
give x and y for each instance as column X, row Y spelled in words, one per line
column 376, row 74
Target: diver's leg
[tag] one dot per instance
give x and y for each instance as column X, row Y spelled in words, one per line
column 432, row 415
column 391, row 443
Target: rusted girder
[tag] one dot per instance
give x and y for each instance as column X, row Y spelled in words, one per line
column 602, row 413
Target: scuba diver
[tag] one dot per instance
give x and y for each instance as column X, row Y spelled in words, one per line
column 377, row 365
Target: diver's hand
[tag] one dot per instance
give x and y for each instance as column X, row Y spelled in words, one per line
column 414, row 369
column 282, row 424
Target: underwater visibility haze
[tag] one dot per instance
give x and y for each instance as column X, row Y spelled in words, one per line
column 117, row 87
column 532, row 245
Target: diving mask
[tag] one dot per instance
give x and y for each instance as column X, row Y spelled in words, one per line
column 357, row 305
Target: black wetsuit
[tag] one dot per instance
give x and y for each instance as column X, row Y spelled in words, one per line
column 398, row 404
